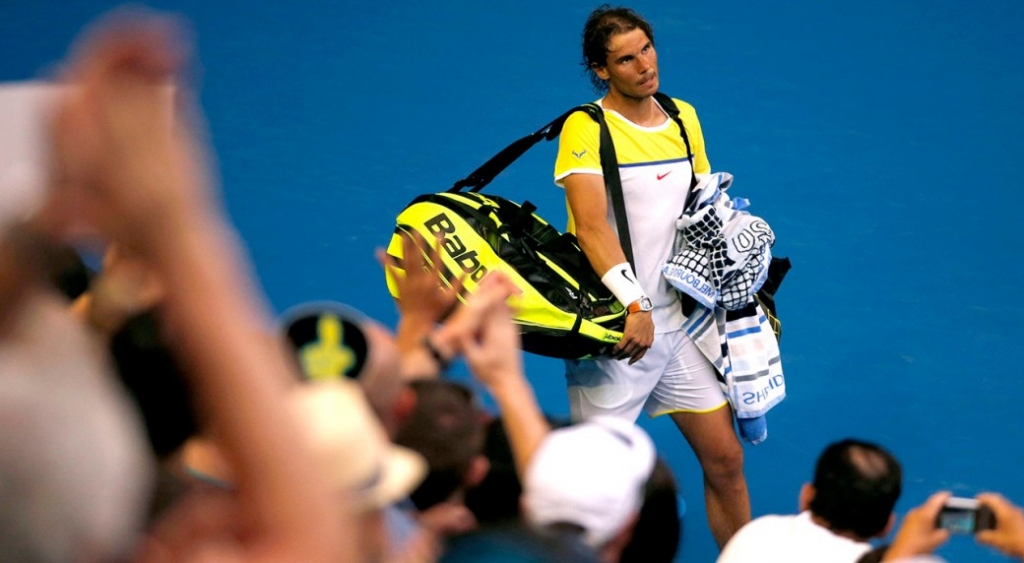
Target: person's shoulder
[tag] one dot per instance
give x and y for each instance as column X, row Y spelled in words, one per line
column 580, row 124
column 761, row 525
column 754, row 539
column 771, row 520
column 580, row 119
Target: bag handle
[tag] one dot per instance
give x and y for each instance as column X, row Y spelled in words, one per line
column 483, row 175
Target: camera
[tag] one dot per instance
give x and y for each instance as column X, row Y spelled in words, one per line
column 965, row 516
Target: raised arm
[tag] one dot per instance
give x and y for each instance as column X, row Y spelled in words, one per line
column 483, row 332
column 423, row 302
column 137, row 172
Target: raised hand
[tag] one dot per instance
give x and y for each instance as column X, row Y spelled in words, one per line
column 123, row 156
column 1008, row 535
column 486, row 336
column 424, row 300
column 918, row 534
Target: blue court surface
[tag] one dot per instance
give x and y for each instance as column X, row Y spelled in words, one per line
column 881, row 140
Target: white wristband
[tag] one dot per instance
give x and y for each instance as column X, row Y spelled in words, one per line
column 621, row 280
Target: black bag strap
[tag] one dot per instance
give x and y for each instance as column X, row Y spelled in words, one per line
column 479, row 178
column 670, row 107
column 499, row 162
column 613, row 183
column 609, row 166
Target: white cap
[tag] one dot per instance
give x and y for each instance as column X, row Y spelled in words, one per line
column 590, row 474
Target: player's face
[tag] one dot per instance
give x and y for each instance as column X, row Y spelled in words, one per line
column 632, row 67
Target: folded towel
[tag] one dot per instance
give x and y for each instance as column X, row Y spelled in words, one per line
column 723, row 252
column 748, row 242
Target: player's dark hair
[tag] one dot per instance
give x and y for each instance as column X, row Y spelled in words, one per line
column 603, row 23
column 856, row 487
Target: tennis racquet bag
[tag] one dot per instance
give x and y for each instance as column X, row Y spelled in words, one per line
column 564, row 311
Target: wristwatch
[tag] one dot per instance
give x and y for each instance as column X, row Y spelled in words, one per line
column 641, row 305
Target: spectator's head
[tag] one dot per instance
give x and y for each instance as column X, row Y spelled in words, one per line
column 602, row 24
column 856, row 485
column 350, row 445
column 446, row 427
column 658, row 530
column 590, row 476
column 74, row 468
column 496, row 499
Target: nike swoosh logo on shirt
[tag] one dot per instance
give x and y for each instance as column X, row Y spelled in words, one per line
column 660, row 176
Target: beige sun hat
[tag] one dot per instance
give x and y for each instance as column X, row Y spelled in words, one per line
column 347, row 440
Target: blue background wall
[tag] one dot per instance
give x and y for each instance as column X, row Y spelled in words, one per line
column 880, row 139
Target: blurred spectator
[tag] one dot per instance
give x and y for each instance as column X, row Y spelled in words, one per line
column 447, row 428
column 128, row 161
column 659, row 527
column 350, row 447
column 590, row 476
column 856, row 485
column 74, row 468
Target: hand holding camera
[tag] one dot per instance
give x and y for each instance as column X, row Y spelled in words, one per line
column 1007, row 532
column 990, row 518
column 965, row 516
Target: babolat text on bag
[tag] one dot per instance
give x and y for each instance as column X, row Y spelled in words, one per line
column 564, row 310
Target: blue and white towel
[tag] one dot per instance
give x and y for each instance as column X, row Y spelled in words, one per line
column 745, row 353
column 722, row 260
column 723, row 251
column 755, row 382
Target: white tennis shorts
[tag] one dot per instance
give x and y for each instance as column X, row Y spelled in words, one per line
column 674, row 376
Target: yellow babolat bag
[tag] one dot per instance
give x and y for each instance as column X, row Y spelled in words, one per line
column 564, row 311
